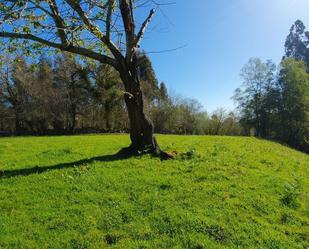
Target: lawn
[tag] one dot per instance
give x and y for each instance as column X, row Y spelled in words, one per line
column 219, row 192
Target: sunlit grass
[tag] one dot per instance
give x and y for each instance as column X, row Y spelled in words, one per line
column 220, row 192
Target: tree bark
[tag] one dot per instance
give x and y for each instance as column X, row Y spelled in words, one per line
column 141, row 127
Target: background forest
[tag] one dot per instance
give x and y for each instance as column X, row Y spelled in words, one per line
column 64, row 93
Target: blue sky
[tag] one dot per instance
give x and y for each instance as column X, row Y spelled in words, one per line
column 221, row 35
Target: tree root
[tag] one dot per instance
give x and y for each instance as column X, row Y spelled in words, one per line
column 153, row 150
column 165, row 155
column 160, row 153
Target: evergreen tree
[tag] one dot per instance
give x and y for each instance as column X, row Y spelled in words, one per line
column 163, row 95
column 149, row 81
column 74, row 88
column 297, row 43
column 108, row 96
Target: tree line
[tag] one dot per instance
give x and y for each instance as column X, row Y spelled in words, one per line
column 273, row 101
column 64, row 94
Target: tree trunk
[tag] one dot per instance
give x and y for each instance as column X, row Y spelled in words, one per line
column 141, row 127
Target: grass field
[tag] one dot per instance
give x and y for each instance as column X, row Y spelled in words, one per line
column 220, row 192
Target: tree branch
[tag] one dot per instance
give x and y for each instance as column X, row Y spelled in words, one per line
column 129, row 24
column 94, row 29
column 69, row 48
column 109, row 17
column 58, row 21
column 37, row 6
column 144, row 27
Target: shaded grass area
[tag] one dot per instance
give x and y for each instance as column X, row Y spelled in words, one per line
column 220, row 192
column 38, row 170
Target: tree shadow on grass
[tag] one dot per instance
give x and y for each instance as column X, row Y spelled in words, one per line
column 39, row 170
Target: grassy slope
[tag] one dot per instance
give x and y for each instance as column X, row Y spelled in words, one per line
column 226, row 193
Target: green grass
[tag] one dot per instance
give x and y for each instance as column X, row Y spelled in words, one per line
column 220, row 192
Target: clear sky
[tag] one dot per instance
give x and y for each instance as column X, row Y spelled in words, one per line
column 221, row 35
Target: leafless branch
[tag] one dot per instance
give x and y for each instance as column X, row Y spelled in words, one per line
column 143, row 28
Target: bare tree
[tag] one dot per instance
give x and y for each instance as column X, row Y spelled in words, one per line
column 105, row 31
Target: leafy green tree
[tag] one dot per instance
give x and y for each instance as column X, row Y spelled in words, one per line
column 231, row 125
column 222, row 122
column 294, row 109
column 257, row 77
column 216, row 122
column 186, row 115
